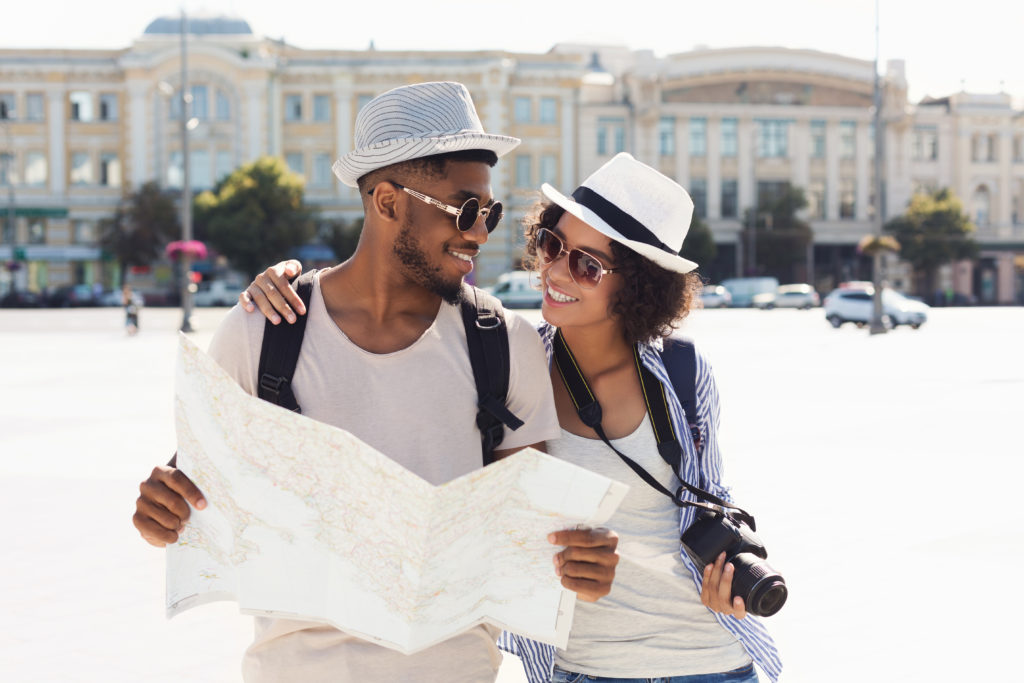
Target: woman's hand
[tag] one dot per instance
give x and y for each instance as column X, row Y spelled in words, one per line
column 272, row 292
column 587, row 565
column 717, row 591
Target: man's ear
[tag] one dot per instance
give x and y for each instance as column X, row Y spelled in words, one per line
column 384, row 201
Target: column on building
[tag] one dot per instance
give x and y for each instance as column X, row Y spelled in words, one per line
column 138, row 118
column 256, row 111
column 865, row 156
column 567, row 125
column 683, row 150
column 1004, row 198
column 343, row 127
column 800, row 154
column 745, row 164
column 56, row 120
column 275, row 116
column 832, row 170
column 1005, row 278
column 713, row 184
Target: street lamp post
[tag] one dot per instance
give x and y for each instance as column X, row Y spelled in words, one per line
column 877, row 326
column 186, row 189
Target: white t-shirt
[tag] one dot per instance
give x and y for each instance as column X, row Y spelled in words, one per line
column 417, row 406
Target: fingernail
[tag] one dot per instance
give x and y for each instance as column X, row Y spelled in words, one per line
column 291, row 318
column 728, row 568
column 551, row 538
column 201, row 504
column 276, row 319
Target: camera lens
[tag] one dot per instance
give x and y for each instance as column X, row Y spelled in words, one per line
column 763, row 589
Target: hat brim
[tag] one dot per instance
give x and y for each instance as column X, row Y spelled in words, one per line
column 359, row 162
column 668, row 261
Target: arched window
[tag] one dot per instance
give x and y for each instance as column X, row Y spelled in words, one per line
column 980, row 205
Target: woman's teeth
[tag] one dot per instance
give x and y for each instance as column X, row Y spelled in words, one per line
column 559, row 297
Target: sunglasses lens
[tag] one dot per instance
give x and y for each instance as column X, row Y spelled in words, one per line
column 493, row 216
column 584, row 268
column 548, row 245
column 470, row 212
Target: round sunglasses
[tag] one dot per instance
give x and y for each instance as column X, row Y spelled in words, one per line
column 466, row 215
column 584, row 269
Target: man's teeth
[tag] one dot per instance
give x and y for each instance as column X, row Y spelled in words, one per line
column 464, row 257
column 559, row 297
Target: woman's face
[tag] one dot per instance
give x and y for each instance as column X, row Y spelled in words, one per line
column 566, row 303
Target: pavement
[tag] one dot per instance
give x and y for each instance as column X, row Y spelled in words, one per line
column 884, row 473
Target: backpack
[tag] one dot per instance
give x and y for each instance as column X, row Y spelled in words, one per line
column 680, row 358
column 486, row 336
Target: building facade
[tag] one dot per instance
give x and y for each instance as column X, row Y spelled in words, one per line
column 80, row 128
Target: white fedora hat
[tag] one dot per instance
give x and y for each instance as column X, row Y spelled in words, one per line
column 416, row 121
column 636, row 206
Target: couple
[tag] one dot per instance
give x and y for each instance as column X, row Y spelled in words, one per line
column 384, row 341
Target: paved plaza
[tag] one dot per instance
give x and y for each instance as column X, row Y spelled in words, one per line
column 885, row 474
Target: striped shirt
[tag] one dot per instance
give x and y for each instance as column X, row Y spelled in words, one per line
column 704, row 471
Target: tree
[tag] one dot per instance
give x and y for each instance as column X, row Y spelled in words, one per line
column 699, row 245
column 781, row 237
column 933, row 232
column 341, row 236
column 144, row 222
column 256, row 215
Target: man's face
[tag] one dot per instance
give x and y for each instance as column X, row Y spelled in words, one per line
column 432, row 251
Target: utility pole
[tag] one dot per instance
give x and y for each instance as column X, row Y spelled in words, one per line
column 877, row 326
column 186, row 188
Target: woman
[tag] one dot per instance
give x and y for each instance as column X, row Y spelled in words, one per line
column 613, row 287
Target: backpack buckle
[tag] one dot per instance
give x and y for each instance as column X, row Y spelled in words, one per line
column 272, row 384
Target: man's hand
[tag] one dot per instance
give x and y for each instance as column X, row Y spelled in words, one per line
column 162, row 508
column 587, row 565
column 716, row 593
column 273, row 294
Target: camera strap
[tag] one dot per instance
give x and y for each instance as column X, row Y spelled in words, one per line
column 656, row 401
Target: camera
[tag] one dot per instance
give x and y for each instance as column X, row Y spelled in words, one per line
column 762, row 588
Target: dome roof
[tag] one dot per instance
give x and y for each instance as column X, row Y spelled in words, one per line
column 199, row 25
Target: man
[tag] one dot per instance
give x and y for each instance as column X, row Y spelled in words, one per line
column 384, row 356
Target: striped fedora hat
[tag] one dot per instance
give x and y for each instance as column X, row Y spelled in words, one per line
column 416, row 121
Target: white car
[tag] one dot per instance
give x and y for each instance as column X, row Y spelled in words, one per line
column 517, row 289
column 855, row 305
column 788, row 296
column 217, row 293
column 715, row 296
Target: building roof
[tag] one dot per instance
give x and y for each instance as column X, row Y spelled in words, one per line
column 221, row 25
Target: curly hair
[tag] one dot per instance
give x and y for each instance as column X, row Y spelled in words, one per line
column 652, row 301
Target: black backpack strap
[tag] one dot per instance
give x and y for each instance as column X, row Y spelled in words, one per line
column 680, row 358
column 280, row 352
column 487, row 340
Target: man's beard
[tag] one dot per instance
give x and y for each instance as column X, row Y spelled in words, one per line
column 417, row 267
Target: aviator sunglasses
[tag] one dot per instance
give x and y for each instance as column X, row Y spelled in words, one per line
column 584, row 269
column 466, row 215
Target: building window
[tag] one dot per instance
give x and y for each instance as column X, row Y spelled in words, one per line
column 667, row 136
column 847, row 198
column 1018, row 150
column 37, row 231
column 108, row 107
column 523, row 110
column 548, row 110
column 175, row 171
column 7, row 110
column 321, row 108
column 699, row 195
column 698, row 137
column 35, row 169
column 34, row 107
column 322, row 170
column 83, row 232
column 362, row 101
column 199, row 169
column 816, row 199
column 926, row 143
column 523, row 179
column 772, row 138
column 223, row 106
column 980, row 203
column 295, row 162
column 8, row 175
column 110, row 170
column 81, row 106
column 549, row 169
column 847, row 139
column 200, row 103
column 730, row 137
column 730, row 198
column 993, row 148
column 224, row 164
column 611, row 136
column 81, row 169
column 817, row 139
column 293, row 108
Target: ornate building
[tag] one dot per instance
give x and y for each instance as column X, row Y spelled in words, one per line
column 82, row 127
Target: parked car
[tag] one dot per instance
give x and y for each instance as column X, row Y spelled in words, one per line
column 855, row 305
column 22, row 298
column 217, row 293
column 788, row 296
column 744, row 289
column 73, row 295
column 115, row 298
column 716, row 296
column 517, row 290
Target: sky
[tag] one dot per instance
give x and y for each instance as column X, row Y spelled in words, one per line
column 947, row 46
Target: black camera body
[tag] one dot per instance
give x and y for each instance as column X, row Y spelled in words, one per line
column 762, row 588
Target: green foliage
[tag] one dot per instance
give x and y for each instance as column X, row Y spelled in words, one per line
column 933, row 231
column 144, row 222
column 256, row 215
column 781, row 237
column 699, row 245
column 341, row 236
